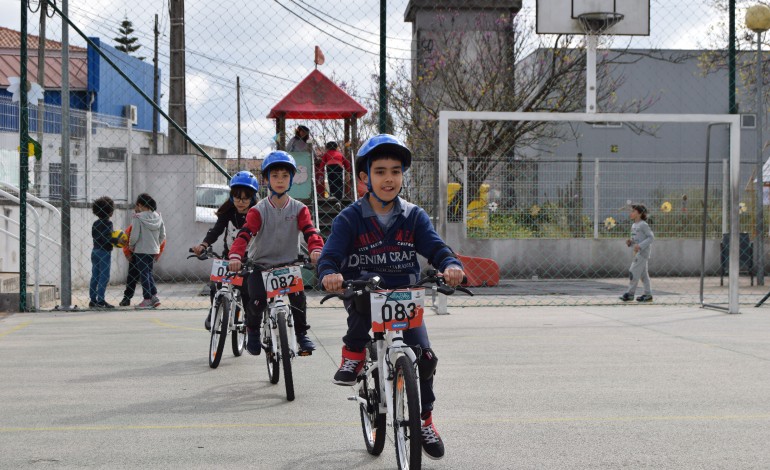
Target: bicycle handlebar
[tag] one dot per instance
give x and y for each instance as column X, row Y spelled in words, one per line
column 354, row 288
column 206, row 254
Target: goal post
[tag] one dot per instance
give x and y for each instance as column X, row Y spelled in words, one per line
column 731, row 120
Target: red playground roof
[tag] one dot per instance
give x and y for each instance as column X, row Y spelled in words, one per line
column 317, row 97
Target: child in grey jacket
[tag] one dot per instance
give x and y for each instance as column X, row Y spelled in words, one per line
column 641, row 242
column 147, row 234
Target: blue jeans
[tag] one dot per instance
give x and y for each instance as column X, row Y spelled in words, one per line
column 144, row 263
column 100, row 274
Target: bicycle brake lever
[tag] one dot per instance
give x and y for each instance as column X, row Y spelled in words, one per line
column 464, row 289
column 446, row 290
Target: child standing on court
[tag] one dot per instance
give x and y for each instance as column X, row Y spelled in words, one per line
column 147, row 234
column 381, row 235
column 273, row 226
column 641, row 242
column 101, row 254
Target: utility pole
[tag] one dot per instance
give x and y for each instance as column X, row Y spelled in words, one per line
column 155, row 91
column 40, row 102
column 177, row 109
column 238, row 111
column 382, row 121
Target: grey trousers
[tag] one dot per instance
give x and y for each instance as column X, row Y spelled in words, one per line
column 639, row 271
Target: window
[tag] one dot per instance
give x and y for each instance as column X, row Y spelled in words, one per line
column 112, row 154
column 55, row 177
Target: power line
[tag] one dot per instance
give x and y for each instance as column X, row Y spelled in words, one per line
column 347, row 24
column 347, row 32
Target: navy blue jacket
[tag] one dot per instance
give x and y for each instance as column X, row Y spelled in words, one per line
column 359, row 248
column 101, row 232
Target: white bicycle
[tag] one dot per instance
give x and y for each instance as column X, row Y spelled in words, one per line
column 227, row 312
column 278, row 338
column 388, row 387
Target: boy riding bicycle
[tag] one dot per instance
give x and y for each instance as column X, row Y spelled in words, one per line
column 381, row 234
column 274, row 224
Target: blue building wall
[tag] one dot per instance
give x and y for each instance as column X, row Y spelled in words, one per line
column 112, row 91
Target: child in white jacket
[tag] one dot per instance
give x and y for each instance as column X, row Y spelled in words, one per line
column 641, row 242
column 147, row 234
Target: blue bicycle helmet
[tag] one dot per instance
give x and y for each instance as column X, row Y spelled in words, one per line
column 278, row 158
column 245, row 179
column 379, row 145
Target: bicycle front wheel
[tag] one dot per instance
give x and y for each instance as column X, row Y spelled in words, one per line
column 239, row 333
column 271, row 351
column 406, row 419
column 219, row 323
column 288, row 379
column 372, row 421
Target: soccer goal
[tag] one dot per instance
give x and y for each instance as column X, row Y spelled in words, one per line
column 482, row 221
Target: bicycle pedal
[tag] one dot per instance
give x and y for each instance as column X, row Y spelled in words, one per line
column 305, row 353
column 353, row 398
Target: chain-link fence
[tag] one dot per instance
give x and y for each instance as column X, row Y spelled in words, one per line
column 241, row 79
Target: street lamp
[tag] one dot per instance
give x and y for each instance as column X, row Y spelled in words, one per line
column 758, row 20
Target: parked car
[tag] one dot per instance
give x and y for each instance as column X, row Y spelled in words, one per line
column 208, row 198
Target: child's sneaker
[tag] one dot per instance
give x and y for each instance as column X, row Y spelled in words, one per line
column 103, row 305
column 351, row 365
column 253, row 343
column 155, row 301
column 644, row 298
column 305, row 344
column 207, row 322
column 627, row 297
column 91, row 304
column 145, row 304
column 125, row 302
column 432, row 445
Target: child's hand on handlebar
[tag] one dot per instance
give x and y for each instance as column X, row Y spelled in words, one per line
column 198, row 249
column 314, row 256
column 333, row 282
column 234, row 265
column 453, row 276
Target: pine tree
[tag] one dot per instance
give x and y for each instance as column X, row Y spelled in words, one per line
column 126, row 42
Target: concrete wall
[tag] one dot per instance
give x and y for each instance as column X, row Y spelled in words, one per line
column 576, row 258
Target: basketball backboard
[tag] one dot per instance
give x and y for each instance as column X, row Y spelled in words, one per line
column 561, row 16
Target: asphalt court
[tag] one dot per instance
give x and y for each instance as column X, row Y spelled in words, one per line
column 533, row 387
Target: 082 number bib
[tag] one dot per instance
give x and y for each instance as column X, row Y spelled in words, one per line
column 283, row 281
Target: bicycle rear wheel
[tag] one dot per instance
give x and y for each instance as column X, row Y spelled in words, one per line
column 271, row 352
column 372, row 421
column 239, row 333
column 406, row 419
column 219, row 323
column 288, row 378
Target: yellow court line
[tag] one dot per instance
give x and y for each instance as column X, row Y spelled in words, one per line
column 576, row 419
column 15, row 328
column 169, row 325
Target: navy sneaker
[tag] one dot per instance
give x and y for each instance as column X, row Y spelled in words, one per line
column 627, row 297
column 253, row 344
column 125, row 302
column 305, row 344
column 644, row 298
column 351, row 365
column 432, row 445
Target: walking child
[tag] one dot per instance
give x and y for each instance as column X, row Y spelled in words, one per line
column 133, row 272
column 363, row 235
column 147, row 234
column 101, row 254
column 641, row 242
column 273, row 227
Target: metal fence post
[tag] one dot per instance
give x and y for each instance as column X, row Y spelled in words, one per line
column 725, row 195
column 597, row 181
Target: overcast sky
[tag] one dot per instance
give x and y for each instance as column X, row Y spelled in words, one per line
column 269, row 44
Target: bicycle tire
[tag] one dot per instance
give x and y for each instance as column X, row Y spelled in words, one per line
column 271, row 354
column 238, row 334
column 288, row 378
column 406, row 419
column 372, row 421
column 219, row 324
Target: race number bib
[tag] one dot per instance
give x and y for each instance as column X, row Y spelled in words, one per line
column 397, row 310
column 283, row 281
column 219, row 273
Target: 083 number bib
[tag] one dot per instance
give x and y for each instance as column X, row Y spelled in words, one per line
column 397, row 310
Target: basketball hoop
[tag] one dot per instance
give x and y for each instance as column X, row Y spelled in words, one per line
column 598, row 22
